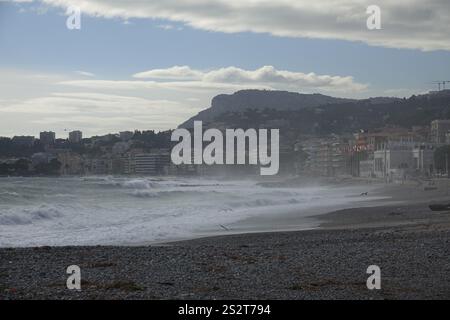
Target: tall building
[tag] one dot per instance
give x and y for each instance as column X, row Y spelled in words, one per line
column 152, row 163
column 129, row 165
column 75, row 136
column 439, row 128
column 47, row 138
column 327, row 157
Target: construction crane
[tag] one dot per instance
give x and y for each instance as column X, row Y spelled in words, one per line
column 439, row 83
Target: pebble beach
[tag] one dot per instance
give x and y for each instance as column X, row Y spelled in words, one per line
column 410, row 244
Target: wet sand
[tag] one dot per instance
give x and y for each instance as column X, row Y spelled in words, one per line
column 379, row 195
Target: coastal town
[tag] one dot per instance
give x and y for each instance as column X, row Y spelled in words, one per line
column 220, row 158
column 392, row 154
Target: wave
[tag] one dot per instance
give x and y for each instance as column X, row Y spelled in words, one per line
column 29, row 215
column 169, row 194
column 8, row 193
column 122, row 183
column 137, row 184
column 144, row 194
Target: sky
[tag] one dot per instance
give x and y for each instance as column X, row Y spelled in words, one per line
column 145, row 65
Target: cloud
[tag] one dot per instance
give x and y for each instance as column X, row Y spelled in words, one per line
column 165, row 26
column 173, row 73
column 266, row 77
column 94, row 113
column 405, row 23
column 169, row 27
column 44, row 101
column 85, row 73
column 192, row 87
column 78, row 102
column 272, row 77
column 41, row 101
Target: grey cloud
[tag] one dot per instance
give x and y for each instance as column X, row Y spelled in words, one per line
column 406, row 23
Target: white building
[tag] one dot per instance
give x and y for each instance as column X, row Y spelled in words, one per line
column 400, row 161
column 439, row 128
column 390, row 163
column 151, row 163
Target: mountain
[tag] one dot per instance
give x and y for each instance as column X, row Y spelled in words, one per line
column 317, row 114
column 260, row 100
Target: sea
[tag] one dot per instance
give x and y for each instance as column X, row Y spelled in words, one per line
column 107, row 210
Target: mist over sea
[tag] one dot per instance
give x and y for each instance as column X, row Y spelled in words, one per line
column 118, row 210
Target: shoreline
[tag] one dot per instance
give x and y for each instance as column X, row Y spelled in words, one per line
column 409, row 242
column 316, row 218
column 315, row 264
column 313, row 218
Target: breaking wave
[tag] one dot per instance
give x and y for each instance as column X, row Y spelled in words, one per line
column 29, row 215
column 119, row 210
column 137, row 184
column 10, row 194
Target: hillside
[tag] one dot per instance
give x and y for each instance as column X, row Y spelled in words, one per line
column 318, row 114
column 260, row 100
